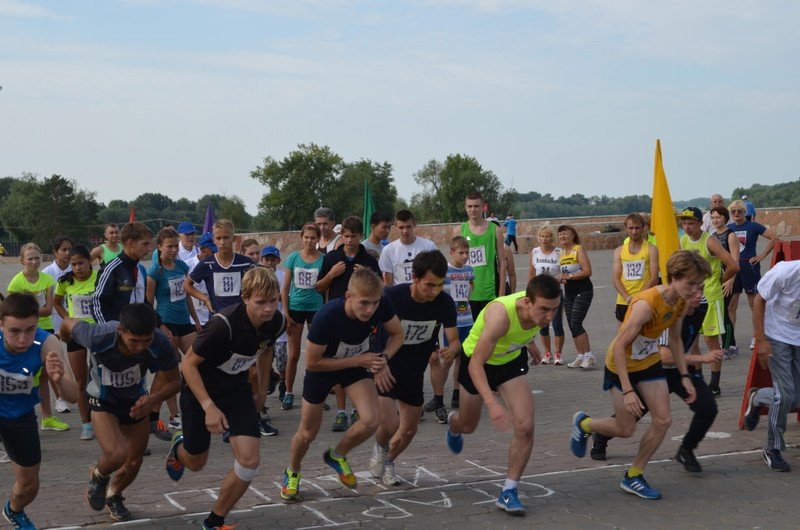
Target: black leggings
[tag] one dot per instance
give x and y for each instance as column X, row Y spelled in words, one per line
column 729, row 339
column 576, row 306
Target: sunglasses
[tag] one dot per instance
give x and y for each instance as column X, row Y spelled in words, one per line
column 737, row 211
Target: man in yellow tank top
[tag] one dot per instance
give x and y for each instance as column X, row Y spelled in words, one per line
column 492, row 361
column 635, row 265
column 633, row 368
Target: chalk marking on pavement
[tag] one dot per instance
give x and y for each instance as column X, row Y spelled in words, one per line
column 386, row 506
column 322, row 516
column 470, row 462
column 444, row 503
column 426, row 471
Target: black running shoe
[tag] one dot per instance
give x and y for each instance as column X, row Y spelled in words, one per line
column 116, row 509
column 96, row 494
column 686, row 457
column 599, row 446
column 775, row 461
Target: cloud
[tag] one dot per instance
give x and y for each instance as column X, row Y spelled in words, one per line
column 16, row 8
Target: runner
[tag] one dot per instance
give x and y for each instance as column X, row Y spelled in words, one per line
column 217, row 398
column 106, row 252
column 24, row 347
column 776, row 322
column 396, row 258
column 76, row 288
column 325, row 221
column 187, row 249
column 251, row 249
column 271, row 258
column 714, row 320
column 338, row 265
column 727, row 238
column 380, row 224
column 121, row 354
column 511, row 232
column 338, row 353
column 300, row 297
column 493, row 361
column 635, row 265
column 39, row 284
column 206, row 249
column 576, row 269
column 57, row 269
column 546, row 259
column 422, row 307
column 716, row 201
column 485, row 249
column 633, row 364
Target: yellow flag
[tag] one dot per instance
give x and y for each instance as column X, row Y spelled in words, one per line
column 662, row 215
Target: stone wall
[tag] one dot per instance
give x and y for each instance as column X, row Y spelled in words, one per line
column 785, row 221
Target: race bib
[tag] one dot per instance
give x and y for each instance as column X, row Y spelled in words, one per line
column 227, row 283
column 741, row 235
column 238, row 363
column 459, row 291
column 11, row 383
column 305, row 278
column 348, row 350
column 794, row 313
column 477, row 256
column 82, row 306
column 125, row 378
column 417, row 331
column 643, row 347
column 176, row 292
column 633, row 270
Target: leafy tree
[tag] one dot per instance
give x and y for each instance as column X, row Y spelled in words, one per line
column 232, row 208
column 347, row 196
column 298, row 185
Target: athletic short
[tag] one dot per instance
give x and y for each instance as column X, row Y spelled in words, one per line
column 302, row 317
column 239, row 409
column 280, row 356
column 714, row 321
column 74, row 346
column 496, row 374
column 476, row 306
column 652, row 373
column 317, row 385
column 407, row 388
column 120, row 411
column 747, row 278
column 620, row 311
column 21, row 439
column 180, row 330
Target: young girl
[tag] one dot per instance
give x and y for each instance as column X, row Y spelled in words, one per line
column 39, row 284
column 76, row 286
column 300, row 296
column 578, row 293
column 165, row 280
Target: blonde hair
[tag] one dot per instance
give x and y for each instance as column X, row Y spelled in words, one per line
column 224, row 224
column 28, row 246
column 546, row 229
column 458, row 242
column 365, row 282
column 737, row 204
column 260, row 280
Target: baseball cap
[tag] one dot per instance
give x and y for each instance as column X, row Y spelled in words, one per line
column 691, row 212
column 270, row 250
column 207, row 241
column 744, row 197
column 186, row 228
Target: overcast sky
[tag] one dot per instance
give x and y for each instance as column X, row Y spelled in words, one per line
column 186, row 97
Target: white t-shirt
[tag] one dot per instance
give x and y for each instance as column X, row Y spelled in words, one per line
column 56, row 272
column 280, row 274
column 200, row 308
column 549, row 264
column 186, row 255
column 707, row 225
column 780, row 287
column 396, row 257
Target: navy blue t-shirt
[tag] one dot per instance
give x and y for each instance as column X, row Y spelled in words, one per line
column 343, row 336
column 420, row 323
column 224, row 284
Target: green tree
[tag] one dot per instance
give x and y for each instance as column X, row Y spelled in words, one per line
column 232, row 208
column 298, row 185
column 347, row 196
column 38, row 210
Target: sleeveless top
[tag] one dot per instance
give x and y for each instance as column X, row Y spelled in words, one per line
column 643, row 352
column 571, row 265
column 549, row 264
column 510, row 345
column 109, row 254
column 483, row 258
column 712, row 288
column 19, row 377
column 635, row 270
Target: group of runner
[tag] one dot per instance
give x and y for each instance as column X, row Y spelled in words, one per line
column 374, row 315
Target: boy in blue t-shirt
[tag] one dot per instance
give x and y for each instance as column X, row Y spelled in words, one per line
column 458, row 283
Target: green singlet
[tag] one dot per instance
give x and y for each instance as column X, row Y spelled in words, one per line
column 109, row 254
column 510, row 345
column 482, row 258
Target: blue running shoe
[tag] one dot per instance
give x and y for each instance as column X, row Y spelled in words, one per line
column 509, row 501
column 18, row 520
column 753, row 412
column 174, row 467
column 454, row 441
column 639, row 486
column 577, row 441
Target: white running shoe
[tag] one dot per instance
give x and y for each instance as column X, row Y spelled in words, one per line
column 577, row 362
column 752, row 343
column 589, row 361
column 63, row 407
column 377, row 460
column 558, row 361
column 389, row 477
column 547, row 359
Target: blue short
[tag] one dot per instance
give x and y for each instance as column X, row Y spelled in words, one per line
column 747, row 278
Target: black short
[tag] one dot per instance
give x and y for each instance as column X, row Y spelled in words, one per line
column 652, row 373
column 239, row 409
column 180, row 330
column 496, row 374
column 74, row 346
column 121, row 411
column 317, row 385
column 476, row 306
column 620, row 311
column 302, row 317
column 407, row 388
column 21, row 439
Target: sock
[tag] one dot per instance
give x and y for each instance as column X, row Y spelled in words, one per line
column 290, row 472
column 438, row 399
column 87, row 423
column 154, row 416
column 99, row 475
column 335, row 454
column 589, row 353
column 634, row 471
column 354, row 411
column 342, row 411
column 584, row 425
column 455, row 393
column 715, row 378
column 510, row 484
column 213, row 520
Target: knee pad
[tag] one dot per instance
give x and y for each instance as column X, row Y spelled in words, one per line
column 244, row 473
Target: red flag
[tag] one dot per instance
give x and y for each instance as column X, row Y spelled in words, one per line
column 132, row 218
